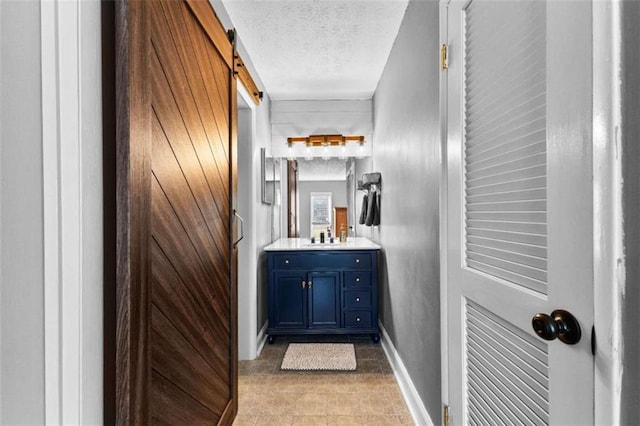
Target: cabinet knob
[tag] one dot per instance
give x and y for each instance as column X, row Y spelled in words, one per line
column 304, row 284
column 357, row 279
column 357, row 299
column 309, row 284
column 357, row 260
column 357, row 319
column 286, row 261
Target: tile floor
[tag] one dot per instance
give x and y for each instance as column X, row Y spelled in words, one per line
column 367, row 396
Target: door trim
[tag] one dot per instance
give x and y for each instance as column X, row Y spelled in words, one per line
column 443, row 215
column 608, row 207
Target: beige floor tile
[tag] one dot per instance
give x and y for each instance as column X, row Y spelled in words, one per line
column 405, row 420
column 368, row 396
column 278, row 420
column 362, row 420
column 343, row 404
column 245, row 420
column 376, row 403
column 309, row 420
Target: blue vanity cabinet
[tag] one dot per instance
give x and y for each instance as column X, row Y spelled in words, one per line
column 289, row 294
column 323, row 292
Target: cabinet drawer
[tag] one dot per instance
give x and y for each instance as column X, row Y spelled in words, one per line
column 357, row 279
column 288, row 261
column 357, row 318
column 357, row 299
column 292, row 260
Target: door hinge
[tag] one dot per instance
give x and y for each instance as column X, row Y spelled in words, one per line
column 443, row 57
column 445, row 414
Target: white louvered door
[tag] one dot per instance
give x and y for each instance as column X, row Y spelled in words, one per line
column 519, row 201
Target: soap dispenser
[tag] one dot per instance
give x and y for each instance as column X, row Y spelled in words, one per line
column 343, row 234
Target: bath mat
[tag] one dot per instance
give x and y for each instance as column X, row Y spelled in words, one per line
column 319, row 356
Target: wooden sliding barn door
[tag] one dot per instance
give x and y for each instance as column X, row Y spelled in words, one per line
column 177, row 341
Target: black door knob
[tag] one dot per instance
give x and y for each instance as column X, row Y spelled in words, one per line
column 560, row 324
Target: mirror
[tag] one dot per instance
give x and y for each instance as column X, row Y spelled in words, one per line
column 270, row 173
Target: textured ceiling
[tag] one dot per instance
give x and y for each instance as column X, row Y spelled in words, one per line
column 318, row 49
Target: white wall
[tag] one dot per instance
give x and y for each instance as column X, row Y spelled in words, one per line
column 51, row 210
column 406, row 152
column 252, row 295
column 253, row 134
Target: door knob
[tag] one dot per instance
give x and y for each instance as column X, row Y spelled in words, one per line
column 560, row 324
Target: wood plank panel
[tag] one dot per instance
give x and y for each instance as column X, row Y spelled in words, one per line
column 176, row 360
column 169, row 233
column 177, row 320
column 209, row 137
column 178, row 126
column 189, row 412
column 193, row 316
column 191, row 211
column 176, row 165
column 191, row 233
column 211, row 26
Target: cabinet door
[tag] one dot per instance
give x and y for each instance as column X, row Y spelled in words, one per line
column 290, row 309
column 324, row 300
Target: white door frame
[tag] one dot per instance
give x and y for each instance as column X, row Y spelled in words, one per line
column 444, row 223
column 72, row 143
column 247, row 250
column 607, row 215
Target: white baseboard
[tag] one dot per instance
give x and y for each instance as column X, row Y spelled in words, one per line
column 409, row 392
column 262, row 338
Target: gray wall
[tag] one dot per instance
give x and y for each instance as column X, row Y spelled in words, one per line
column 406, row 152
column 261, row 216
column 21, row 211
column 630, row 135
column 338, row 190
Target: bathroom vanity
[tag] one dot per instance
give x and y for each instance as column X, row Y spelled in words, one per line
column 323, row 288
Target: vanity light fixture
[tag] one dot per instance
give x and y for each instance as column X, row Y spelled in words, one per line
column 325, row 140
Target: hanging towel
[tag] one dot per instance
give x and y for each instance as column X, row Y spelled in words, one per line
column 371, row 208
column 363, row 210
column 376, row 213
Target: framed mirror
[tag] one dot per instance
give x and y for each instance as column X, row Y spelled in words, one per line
column 268, row 177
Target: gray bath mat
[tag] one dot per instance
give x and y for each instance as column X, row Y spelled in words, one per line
column 320, row 356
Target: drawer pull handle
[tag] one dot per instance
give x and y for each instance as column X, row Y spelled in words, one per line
column 357, row 299
column 286, row 261
column 357, row 260
column 357, row 319
column 357, row 279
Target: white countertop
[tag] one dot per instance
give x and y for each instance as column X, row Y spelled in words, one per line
column 353, row 243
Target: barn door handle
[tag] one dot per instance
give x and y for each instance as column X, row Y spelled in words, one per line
column 560, row 324
column 235, row 213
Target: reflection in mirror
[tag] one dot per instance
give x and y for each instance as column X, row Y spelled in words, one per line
column 320, row 210
column 270, row 172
